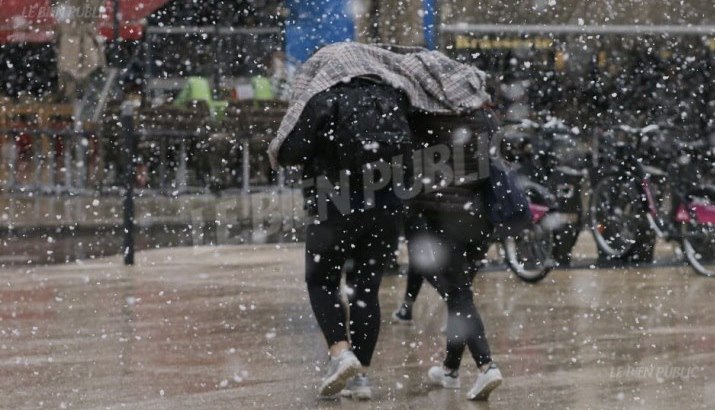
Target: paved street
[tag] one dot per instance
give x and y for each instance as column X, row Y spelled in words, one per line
column 230, row 327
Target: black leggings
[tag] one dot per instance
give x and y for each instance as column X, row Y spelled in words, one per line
column 416, row 227
column 368, row 239
column 455, row 241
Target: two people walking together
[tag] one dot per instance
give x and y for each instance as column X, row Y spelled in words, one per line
column 373, row 129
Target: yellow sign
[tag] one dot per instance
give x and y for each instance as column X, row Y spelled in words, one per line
column 466, row 42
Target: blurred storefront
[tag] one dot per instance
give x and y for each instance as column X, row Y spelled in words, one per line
column 594, row 74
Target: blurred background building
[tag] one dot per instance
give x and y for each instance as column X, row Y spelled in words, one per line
column 210, row 78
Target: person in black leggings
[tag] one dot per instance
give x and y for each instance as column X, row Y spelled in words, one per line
column 441, row 248
column 457, row 236
column 455, row 239
column 326, row 141
column 452, row 232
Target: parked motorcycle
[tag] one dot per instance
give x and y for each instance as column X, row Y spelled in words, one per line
column 555, row 157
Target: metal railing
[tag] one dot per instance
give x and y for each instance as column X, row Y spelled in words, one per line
column 51, row 161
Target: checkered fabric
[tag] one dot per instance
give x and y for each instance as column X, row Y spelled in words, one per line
column 432, row 81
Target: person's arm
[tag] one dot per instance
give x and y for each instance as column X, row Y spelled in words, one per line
column 300, row 145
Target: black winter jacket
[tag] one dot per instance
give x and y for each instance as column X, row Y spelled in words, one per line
column 328, row 125
column 471, row 135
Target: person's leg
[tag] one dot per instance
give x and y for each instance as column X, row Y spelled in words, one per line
column 426, row 258
column 414, row 226
column 478, row 345
column 464, row 328
column 414, row 284
column 451, row 289
column 464, row 325
column 323, row 264
column 460, row 307
column 403, row 314
column 415, row 230
column 420, row 253
column 324, row 260
column 456, row 240
column 371, row 254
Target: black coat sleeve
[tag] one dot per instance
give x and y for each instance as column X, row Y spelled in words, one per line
column 300, row 145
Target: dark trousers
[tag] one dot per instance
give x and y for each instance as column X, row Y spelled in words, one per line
column 444, row 253
column 368, row 239
column 414, row 225
column 415, row 228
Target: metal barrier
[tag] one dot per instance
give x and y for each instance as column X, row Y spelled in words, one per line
column 246, row 124
column 46, row 160
column 218, row 53
column 173, row 144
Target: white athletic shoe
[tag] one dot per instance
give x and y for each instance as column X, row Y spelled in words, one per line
column 340, row 370
column 358, row 388
column 487, row 381
column 438, row 376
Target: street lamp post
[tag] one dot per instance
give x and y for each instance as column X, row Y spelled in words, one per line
column 116, row 15
column 130, row 146
column 375, row 21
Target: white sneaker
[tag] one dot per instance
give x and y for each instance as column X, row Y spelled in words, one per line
column 487, row 381
column 358, row 388
column 438, row 376
column 340, row 370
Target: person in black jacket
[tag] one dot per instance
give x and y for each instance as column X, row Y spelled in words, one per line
column 449, row 231
column 339, row 131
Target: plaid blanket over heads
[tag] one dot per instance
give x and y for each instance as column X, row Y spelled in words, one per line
column 432, row 81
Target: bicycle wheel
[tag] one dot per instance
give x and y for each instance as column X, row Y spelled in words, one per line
column 615, row 211
column 529, row 254
column 698, row 238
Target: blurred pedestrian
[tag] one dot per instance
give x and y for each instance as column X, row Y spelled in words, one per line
column 325, row 142
column 457, row 232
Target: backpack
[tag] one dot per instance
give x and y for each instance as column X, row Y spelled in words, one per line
column 371, row 125
column 469, row 134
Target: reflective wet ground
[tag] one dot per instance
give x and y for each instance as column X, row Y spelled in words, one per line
column 230, row 327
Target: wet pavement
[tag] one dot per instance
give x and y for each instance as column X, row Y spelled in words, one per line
column 230, row 327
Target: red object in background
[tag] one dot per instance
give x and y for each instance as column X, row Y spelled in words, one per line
column 704, row 214
column 26, row 21
column 33, row 21
column 538, row 212
column 132, row 13
column 23, row 142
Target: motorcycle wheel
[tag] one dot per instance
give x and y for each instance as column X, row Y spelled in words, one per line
column 529, row 254
column 614, row 216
